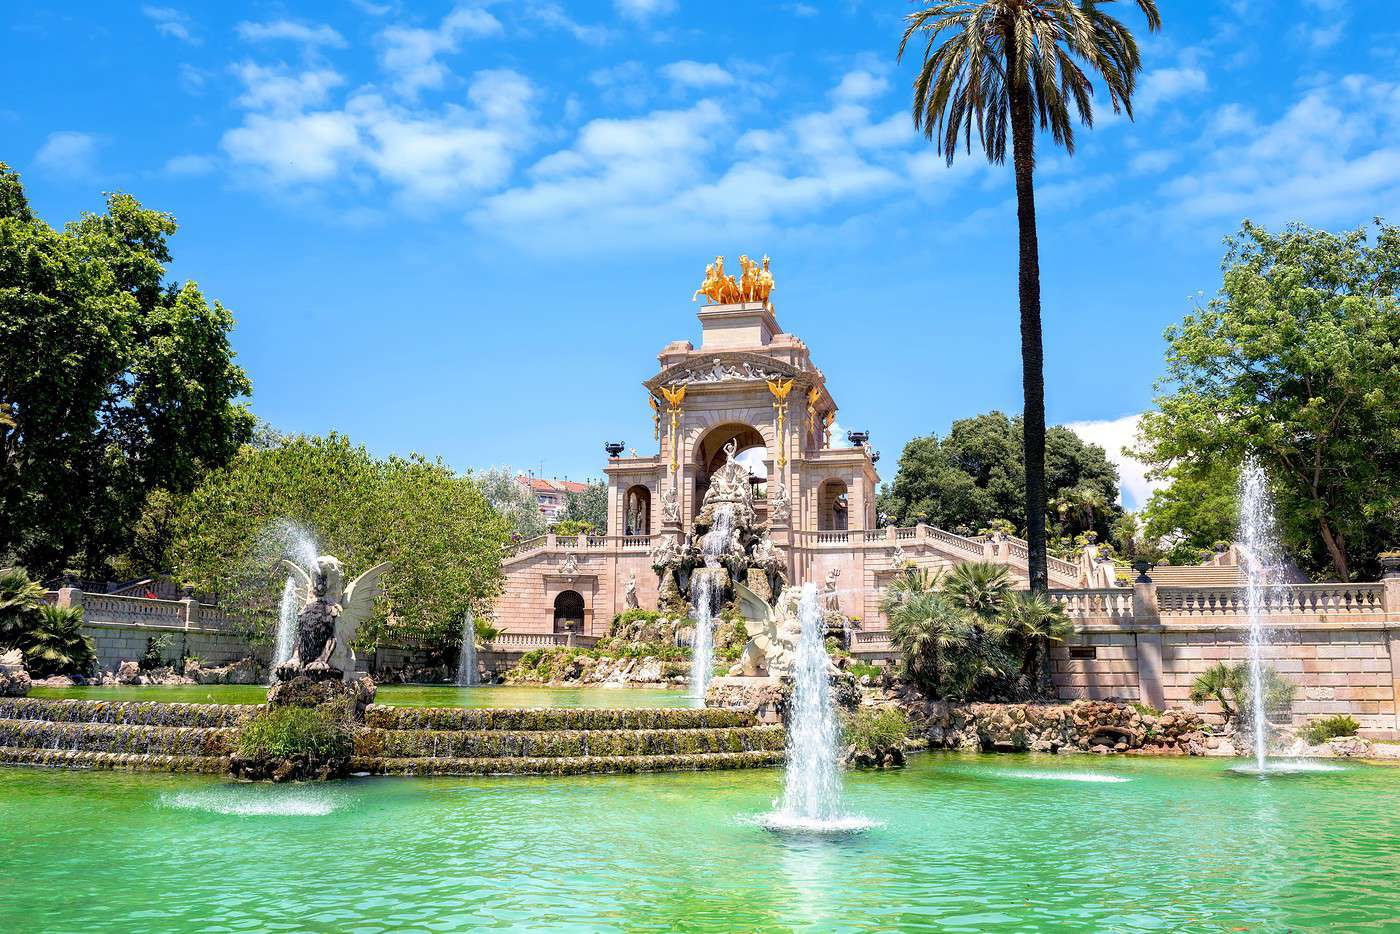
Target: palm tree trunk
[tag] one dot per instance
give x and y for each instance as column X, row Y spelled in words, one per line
column 1032, row 352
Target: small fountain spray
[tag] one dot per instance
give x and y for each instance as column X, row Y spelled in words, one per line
column 466, row 660
column 704, row 596
column 284, row 539
column 1263, row 560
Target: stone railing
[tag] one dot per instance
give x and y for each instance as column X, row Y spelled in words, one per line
column 577, row 543
column 1294, row 599
column 1112, row 603
column 524, row 641
column 105, row 609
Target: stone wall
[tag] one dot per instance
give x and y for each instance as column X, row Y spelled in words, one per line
column 117, row 642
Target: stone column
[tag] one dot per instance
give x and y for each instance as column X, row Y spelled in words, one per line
column 191, row 607
column 70, row 594
column 1147, row 620
column 1390, row 577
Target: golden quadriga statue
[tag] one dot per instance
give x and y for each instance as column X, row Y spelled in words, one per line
column 755, row 283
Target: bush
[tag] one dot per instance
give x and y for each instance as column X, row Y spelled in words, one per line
column 50, row 638
column 869, row 729
column 154, row 656
column 861, row 669
column 1228, row 685
column 1320, row 731
column 299, row 733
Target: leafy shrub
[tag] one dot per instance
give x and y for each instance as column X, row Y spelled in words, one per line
column 861, row 669
column 867, row 729
column 295, row 733
column 1320, row 731
column 1146, row 710
column 154, row 656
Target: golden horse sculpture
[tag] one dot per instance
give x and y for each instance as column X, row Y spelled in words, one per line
column 755, row 283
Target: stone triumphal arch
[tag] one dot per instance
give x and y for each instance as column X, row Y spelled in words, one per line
column 752, row 383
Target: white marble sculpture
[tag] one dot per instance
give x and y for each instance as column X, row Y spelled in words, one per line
column 774, row 632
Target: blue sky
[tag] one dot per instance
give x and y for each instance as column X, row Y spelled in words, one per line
column 466, row 229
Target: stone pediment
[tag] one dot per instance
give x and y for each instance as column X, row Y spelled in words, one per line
column 719, row 367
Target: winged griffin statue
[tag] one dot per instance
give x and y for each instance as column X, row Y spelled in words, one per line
column 329, row 618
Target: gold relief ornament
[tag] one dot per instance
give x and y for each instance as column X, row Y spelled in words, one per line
column 655, row 417
column 780, row 390
column 813, row 395
column 674, row 397
column 827, row 421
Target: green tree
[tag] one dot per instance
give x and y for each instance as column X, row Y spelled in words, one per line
column 588, row 506
column 1296, row 363
column 975, row 476
column 949, row 639
column 1195, row 510
column 1032, row 622
column 437, row 528
column 513, row 500
column 1006, row 64
column 114, row 381
column 50, row 638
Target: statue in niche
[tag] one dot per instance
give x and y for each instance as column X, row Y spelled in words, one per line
column 670, row 505
column 831, row 599
column 629, row 592
column 329, row 619
column 779, row 504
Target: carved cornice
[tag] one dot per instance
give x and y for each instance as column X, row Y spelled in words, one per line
column 727, row 367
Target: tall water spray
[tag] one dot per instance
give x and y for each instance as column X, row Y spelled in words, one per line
column 466, row 659
column 285, row 539
column 704, row 595
column 1263, row 561
column 811, row 800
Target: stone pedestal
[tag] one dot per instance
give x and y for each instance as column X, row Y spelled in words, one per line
column 766, row 697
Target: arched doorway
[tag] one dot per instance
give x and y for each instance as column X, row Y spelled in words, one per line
column 636, row 516
column 568, row 612
column 833, row 507
column 751, row 451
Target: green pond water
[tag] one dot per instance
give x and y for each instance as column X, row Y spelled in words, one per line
column 399, row 695
column 991, row 843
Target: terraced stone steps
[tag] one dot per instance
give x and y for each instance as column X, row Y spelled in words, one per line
column 156, row 736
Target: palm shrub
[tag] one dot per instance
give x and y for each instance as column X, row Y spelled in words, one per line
column 50, row 638
column 1320, row 731
column 1032, row 622
column 945, row 649
column 55, row 645
column 980, row 587
column 1228, row 685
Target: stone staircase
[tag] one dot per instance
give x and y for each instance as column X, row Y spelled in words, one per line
column 198, row 738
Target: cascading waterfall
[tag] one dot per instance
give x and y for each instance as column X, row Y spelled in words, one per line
column 811, row 800
column 286, row 621
column 703, row 597
column 466, row 659
column 1263, row 559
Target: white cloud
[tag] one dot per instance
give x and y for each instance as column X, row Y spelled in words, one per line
column 860, row 85
column 1164, row 85
column 552, row 15
column 427, row 157
column 171, row 22
column 373, row 9
column 189, row 166
column 1113, row 435
column 410, row 55
column 642, row 10
column 692, row 74
column 1153, row 161
column 672, row 176
column 68, row 154
column 280, row 89
column 291, row 31
column 1332, row 157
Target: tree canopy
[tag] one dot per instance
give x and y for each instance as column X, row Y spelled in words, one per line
column 975, row 475
column 1296, row 362
column 513, row 500
column 437, row 528
column 587, row 507
column 114, row 381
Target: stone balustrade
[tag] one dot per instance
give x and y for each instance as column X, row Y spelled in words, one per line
column 1329, row 600
column 1110, row 604
column 120, row 625
column 524, row 641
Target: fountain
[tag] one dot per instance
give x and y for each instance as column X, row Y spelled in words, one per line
column 811, row 800
column 707, row 585
column 329, row 618
column 1263, row 560
column 466, row 659
column 294, row 545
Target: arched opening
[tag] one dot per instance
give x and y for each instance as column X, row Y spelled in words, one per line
column 709, row 456
column 636, row 516
column 568, row 612
column 833, row 507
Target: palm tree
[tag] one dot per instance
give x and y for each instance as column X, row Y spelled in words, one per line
column 1011, row 63
column 946, row 646
column 54, row 644
column 20, row 599
column 1032, row 622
